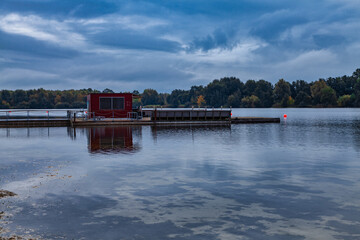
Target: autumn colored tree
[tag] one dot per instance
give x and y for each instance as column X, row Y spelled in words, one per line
column 201, row 101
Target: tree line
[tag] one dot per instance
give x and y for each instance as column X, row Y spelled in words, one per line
column 231, row 92
column 226, row 92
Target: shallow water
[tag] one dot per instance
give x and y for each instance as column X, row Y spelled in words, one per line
column 295, row 180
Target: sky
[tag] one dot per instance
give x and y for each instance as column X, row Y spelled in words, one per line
column 174, row 44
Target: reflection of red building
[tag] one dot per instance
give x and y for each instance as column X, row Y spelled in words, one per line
column 110, row 105
column 110, row 139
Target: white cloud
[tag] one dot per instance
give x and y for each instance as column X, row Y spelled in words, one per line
column 311, row 59
column 133, row 22
column 41, row 29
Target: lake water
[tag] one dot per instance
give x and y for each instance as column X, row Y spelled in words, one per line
column 299, row 179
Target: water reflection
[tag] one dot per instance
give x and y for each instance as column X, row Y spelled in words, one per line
column 112, row 140
column 181, row 130
column 264, row 181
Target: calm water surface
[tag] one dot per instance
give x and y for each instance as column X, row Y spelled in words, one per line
column 299, row 179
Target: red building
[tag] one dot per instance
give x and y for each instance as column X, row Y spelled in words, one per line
column 110, row 105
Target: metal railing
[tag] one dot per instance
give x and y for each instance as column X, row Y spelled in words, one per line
column 40, row 114
column 95, row 116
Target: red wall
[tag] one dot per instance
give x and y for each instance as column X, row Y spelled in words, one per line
column 94, row 102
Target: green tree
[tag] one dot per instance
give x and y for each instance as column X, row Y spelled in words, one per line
column 194, row 93
column 162, row 99
column 178, row 97
column 357, row 93
column 250, row 101
column 150, row 97
column 299, row 86
column 328, row 97
column 19, row 96
column 316, row 91
column 249, row 87
column 107, row 90
column 6, row 95
column 217, row 92
column 322, row 94
column 264, row 91
column 234, row 100
column 282, row 93
column 303, row 99
column 346, row 101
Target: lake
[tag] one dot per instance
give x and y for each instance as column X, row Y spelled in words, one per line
column 299, row 179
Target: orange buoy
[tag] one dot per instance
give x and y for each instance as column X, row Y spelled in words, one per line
column 285, row 116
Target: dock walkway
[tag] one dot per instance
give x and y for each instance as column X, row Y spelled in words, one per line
column 167, row 117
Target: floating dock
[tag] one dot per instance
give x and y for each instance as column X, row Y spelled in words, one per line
column 168, row 117
column 51, row 122
column 187, row 114
column 235, row 120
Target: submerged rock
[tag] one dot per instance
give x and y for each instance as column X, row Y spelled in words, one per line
column 5, row 193
column 12, row 238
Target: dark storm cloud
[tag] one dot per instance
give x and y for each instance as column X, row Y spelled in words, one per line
column 219, row 39
column 164, row 44
column 270, row 27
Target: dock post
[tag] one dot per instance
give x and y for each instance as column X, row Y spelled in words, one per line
column 191, row 113
column 28, row 115
column 155, row 114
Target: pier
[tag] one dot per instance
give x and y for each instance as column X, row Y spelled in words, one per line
column 168, row 117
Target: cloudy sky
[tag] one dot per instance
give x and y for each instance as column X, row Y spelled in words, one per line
column 168, row 44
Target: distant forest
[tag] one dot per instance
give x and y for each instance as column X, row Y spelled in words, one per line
column 227, row 92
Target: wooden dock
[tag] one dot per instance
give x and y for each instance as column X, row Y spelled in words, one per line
column 164, row 117
column 188, row 114
column 19, row 123
column 237, row 120
column 145, row 122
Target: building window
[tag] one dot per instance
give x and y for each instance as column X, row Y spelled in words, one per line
column 118, row 103
column 105, row 103
column 109, row 103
